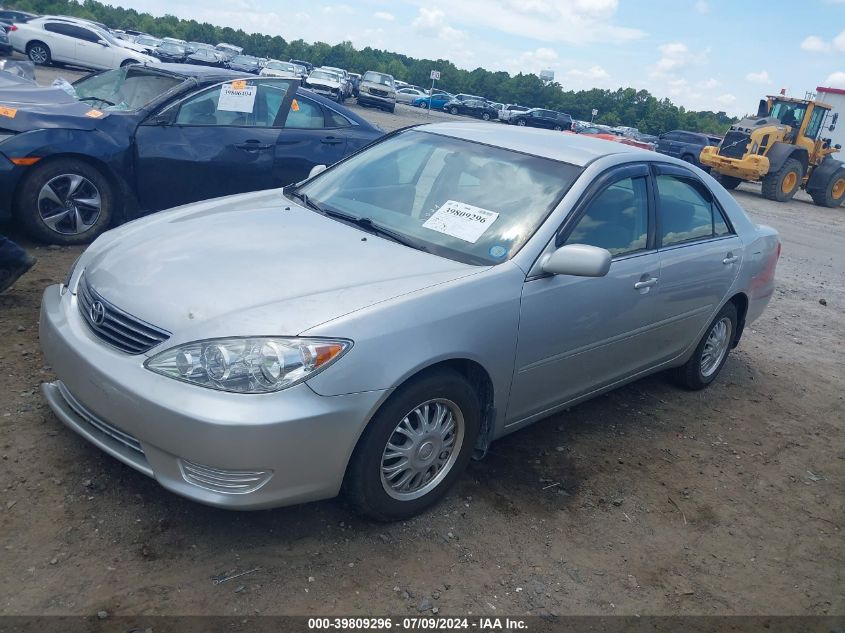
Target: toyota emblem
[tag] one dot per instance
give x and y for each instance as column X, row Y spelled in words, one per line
column 98, row 313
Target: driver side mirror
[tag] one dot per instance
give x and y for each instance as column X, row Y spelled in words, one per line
column 316, row 169
column 833, row 121
column 579, row 260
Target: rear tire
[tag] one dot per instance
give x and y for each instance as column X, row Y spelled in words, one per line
column 485, row 116
column 728, row 182
column 368, row 485
column 39, row 53
column 64, row 201
column 711, row 352
column 453, row 110
column 521, row 122
column 784, row 183
column 833, row 195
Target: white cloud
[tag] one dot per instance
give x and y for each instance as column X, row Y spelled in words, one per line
column 709, row 84
column 814, row 43
column 677, row 55
column 835, row 80
column 384, row 15
column 432, row 22
column 702, row 7
column 726, row 99
column 593, row 73
column 758, row 78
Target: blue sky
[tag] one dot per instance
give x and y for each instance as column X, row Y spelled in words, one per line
column 702, row 54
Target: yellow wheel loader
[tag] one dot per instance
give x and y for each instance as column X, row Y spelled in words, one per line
column 782, row 149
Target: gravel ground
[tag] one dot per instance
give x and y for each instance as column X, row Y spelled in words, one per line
column 649, row 500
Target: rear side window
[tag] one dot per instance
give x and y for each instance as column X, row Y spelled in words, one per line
column 687, row 211
column 616, row 219
column 305, row 115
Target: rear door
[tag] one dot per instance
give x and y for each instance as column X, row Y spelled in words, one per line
column 90, row 52
column 61, row 41
column 218, row 141
column 700, row 257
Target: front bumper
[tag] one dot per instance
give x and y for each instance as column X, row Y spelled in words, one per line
column 751, row 167
column 365, row 98
column 222, row 449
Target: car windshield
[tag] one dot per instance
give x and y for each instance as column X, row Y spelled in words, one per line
column 458, row 199
column 321, row 74
column 245, row 59
column 378, row 78
column 281, row 66
column 124, row 89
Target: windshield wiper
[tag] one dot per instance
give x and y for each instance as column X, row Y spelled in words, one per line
column 95, row 99
column 372, row 227
column 306, row 200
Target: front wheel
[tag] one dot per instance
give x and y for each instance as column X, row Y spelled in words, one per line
column 453, row 110
column 833, row 194
column 711, row 353
column 415, row 447
column 784, row 183
column 65, row 202
column 521, row 122
column 485, row 116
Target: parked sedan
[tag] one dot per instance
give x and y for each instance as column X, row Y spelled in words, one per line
column 538, row 117
column 408, row 95
column 481, row 109
column 206, row 57
column 141, row 139
column 54, row 39
column 435, row 101
column 245, row 64
column 241, row 391
column 171, row 53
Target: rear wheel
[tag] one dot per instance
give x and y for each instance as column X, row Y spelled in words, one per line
column 485, row 116
column 558, row 128
column 415, row 447
column 521, row 122
column 833, row 195
column 711, row 353
column 728, row 182
column 38, row 53
column 453, row 110
column 784, row 183
column 65, row 202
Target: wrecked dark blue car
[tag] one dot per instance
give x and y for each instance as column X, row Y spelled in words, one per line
column 133, row 140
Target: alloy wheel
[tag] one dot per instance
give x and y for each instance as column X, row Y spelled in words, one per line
column 716, row 346
column 422, row 449
column 69, row 204
column 38, row 54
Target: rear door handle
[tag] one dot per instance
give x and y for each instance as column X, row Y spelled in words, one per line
column 331, row 140
column 730, row 259
column 646, row 283
column 253, row 145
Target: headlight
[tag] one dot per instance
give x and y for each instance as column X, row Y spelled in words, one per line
column 248, row 365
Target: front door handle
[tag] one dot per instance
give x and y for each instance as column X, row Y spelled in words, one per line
column 253, row 145
column 730, row 259
column 331, row 140
column 645, row 283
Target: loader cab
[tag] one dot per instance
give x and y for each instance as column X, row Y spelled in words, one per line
column 805, row 118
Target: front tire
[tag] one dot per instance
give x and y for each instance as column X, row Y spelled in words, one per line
column 784, row 183
column 728, row 182
column 521, row 122
column 39, row 53
column 711, row 353
column 453, row 110
column 65, row 202
column 833, row 195
column 558, row 128
column 485, row 116
column 415, row 447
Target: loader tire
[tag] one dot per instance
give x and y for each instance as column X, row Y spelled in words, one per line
column 785, row 182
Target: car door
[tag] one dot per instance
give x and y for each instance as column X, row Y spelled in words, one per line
column 89, row 51
column 312, row 134
column 578, row 334
column 61, row 41
column 215, row 142
column 700, row 257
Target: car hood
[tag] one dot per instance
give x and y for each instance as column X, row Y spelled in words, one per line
column 253, row 264
column 31, row 107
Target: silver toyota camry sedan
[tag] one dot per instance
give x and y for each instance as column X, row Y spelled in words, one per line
column 373, row 328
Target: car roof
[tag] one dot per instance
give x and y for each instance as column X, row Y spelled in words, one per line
column 566, row 148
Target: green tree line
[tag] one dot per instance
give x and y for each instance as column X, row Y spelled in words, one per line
column 623, row 106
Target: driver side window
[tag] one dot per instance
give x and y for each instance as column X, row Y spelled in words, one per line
column 616, row 219
column 256, row 105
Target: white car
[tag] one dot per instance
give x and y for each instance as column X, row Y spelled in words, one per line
column 45, row 40
column 407, row 95
column 327, row 84
column 344, row 75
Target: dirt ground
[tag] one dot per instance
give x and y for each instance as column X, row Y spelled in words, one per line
column 649, row 500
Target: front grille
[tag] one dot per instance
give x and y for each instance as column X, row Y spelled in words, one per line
column 734, row 144
column 229, row 482
column 97, row 424
column 378, row 93
column 114, row 326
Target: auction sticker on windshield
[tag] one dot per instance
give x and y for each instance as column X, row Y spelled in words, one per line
column 461, row 220
column 235, row 100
